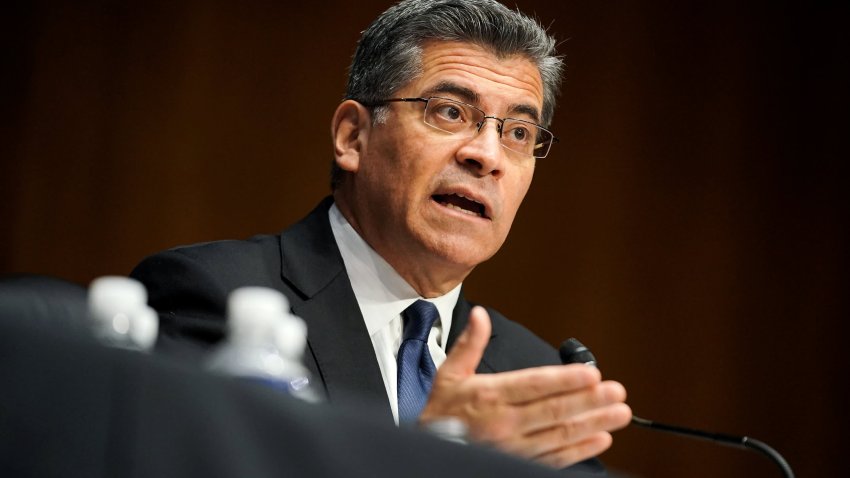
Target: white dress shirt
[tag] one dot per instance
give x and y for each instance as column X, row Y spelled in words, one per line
column 382, row 295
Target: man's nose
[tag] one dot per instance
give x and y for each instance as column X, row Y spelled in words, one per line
column 483, row 152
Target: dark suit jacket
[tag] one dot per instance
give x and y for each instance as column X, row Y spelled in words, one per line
column 189, row 286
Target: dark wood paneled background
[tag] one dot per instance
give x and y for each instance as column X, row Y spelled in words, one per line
column 691, row 226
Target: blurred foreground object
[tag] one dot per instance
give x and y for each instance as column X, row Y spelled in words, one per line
column 120, row 315
column 265, row 342
column 73, row 408
column 43, row 301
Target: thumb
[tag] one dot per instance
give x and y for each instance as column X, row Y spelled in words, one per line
column 463, row 358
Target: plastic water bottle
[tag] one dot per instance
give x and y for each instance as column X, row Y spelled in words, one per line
column 119, row 314
column 264, row 343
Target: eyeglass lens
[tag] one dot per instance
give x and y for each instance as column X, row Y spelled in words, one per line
column 517, row 135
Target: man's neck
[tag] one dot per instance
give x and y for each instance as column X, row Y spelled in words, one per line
column 429, row 286
column 431, row 281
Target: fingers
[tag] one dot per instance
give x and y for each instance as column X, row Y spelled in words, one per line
column 581, row 451
column 575, row 433
column 449, row 395
column 531, row 384
column 549, row 412
column 543, row 425
column 609, row 419
column 464, row 357
column 556, row 415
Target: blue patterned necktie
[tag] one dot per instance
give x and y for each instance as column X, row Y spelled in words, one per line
column 415, row 368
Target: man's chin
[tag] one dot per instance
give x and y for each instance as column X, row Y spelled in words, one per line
column 462, row 252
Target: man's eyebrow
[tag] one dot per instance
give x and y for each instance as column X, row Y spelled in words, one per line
column 469, row 96
column 525, row 109
column 464, row 93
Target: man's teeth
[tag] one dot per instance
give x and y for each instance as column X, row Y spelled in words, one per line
column 458, row 208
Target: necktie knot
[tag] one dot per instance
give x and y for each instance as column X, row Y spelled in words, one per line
column 418, row 320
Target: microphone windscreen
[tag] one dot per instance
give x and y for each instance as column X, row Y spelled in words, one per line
column 573, row 351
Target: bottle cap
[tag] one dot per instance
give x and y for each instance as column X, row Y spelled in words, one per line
column 291, row 337
column 144, row 326
column 253, row 313
column 112, row 298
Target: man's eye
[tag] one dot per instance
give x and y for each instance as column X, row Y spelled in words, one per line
column 519, row 134
column 450, row 112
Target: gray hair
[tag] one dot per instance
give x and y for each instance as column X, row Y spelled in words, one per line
column 389, row 52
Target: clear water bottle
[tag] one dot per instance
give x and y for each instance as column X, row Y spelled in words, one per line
column 119, row 314
column 264, row 342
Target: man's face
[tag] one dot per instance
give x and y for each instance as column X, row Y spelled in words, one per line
column 437, row 204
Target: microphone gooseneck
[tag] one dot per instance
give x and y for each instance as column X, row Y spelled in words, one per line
column 573, row 351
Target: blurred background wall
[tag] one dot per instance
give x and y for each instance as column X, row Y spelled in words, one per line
column 690, row 227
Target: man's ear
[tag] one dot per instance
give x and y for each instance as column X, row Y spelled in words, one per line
column 350, row 129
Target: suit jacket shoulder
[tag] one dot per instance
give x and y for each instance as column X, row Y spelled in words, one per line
column 511, row 346
column 515, row 347
column 189, row 285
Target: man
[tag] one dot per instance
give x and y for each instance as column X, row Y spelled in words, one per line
column 435, row 148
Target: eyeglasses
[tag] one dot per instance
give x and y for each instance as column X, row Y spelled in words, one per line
column 455, row 117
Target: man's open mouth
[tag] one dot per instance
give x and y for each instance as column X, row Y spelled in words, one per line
column 460, row 203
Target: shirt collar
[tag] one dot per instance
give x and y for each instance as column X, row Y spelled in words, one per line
column 381, row 292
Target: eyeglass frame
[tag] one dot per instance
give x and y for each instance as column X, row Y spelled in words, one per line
column 501, row 121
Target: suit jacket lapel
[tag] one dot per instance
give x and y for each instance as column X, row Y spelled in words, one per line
column 337, row 337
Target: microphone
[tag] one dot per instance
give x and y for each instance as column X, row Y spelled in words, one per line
column 573, row 351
